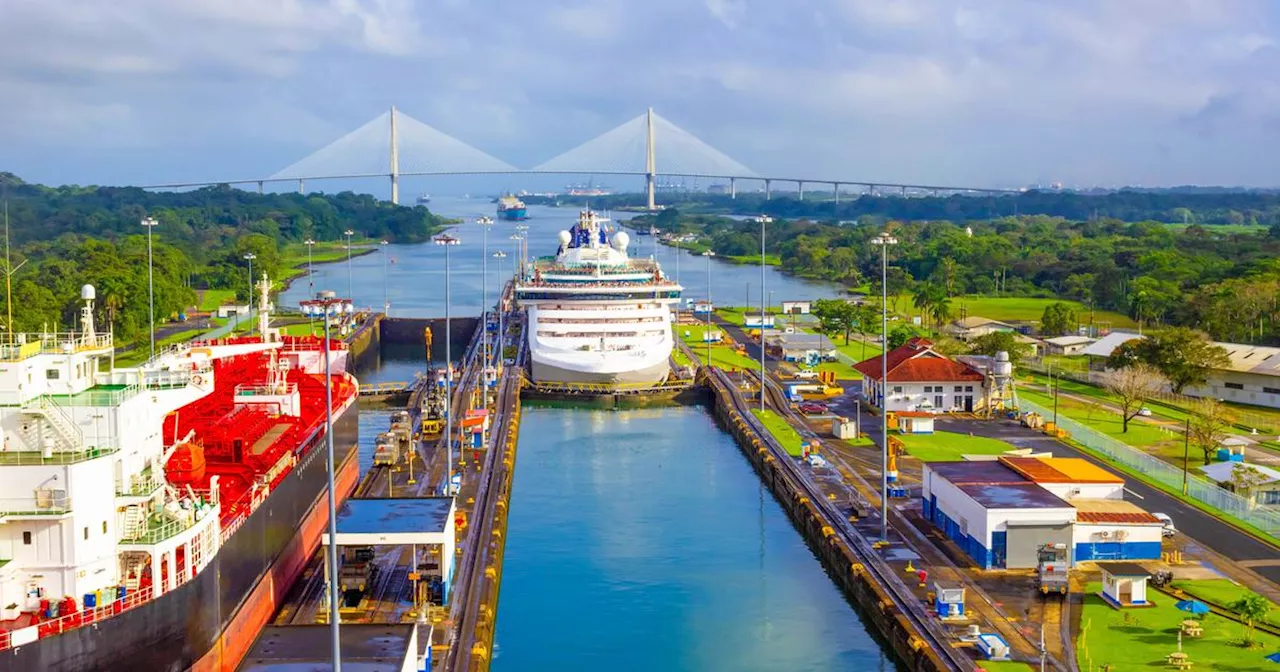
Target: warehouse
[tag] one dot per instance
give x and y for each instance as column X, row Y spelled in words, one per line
column 1001, row 512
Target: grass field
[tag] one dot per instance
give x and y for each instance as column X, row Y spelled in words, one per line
column 1022, row 309
column 1005, row 666
column 1219, row 591
column 210, row 299
column 949, row 446
column 1165, row 444
column 780, row 430
column 1222, row 229
column 1142, row 638
column 723, row 356
column 769, row 259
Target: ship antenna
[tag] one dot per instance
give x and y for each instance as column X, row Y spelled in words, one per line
column 9, row 270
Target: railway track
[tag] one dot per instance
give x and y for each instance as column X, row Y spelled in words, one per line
column 904, row 599
column 1043, row 611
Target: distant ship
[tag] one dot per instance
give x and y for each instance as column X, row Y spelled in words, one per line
column 588, row 189
column 424, row 199
column 596, row 315
column 512, row 209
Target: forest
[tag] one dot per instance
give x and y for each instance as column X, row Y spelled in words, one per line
column 1222, row 280
column 65, row 237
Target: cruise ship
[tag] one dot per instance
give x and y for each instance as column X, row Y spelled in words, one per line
column 594, row 314
column 152, row 517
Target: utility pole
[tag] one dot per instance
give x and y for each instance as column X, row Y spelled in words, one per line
column 151, row 223
column 884, row 240
column 1186, row 448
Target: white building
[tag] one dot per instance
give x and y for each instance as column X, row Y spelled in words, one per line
column 1001, row 512
column 1066, row 345
column 921, row 379
column 795, row 307
column 972, row 327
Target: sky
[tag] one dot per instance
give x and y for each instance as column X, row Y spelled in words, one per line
column 980, row 93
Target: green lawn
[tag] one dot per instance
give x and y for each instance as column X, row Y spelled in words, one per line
column 949, row 446
column 769, row 259
column 1219, row 591
column 210, row 299
column 680, row 358
column 781, row 430
column 1022, row 309
column 1151, row 438
column 1005, row 666
column 722, row 355
column 1135, row 639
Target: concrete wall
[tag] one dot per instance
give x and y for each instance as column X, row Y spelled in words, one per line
column 1140, row 542
column 1069, row 491
column 912, row 396
column 1254, row 388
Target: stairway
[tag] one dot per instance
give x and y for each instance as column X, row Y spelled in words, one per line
column 51, row 429
column 134, row 524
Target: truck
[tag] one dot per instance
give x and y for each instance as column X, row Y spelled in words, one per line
column 1051, row 569
column 386, row 451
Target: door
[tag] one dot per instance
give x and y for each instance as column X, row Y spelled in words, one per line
column 937, row 403
column 968, row 404
column 1124, row 588
column 999, row 548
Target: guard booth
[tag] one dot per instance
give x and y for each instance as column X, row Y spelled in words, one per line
column 425, row 524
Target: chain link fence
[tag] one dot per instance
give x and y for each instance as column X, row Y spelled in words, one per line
column 1206, row 492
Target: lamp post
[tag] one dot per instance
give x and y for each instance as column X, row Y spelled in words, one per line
column 522, row 230
column 350, row 285
column 151, row 223
column 249, row 257
column 502, row 334
column 311, row 282
column 485, row 223
column 706, row 333
column 386, row 300
column 447, row 241
column 764, row 219
column 326, row 306
column 884, row 240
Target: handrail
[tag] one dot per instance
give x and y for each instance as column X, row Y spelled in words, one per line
column 56, row 416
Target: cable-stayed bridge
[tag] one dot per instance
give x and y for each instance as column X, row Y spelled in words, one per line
column 394, row 145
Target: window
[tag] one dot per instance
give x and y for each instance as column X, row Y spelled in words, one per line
column 897, row 389
column 968, row 388
column 51, row 374
column 959, row 388
column 104, row 527
column 86, row 533
column 937, row 402
column 1233, row 386
column 1271, row 390
column 26, row 538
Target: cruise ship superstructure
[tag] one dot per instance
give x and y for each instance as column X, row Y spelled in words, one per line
column 152, row 516
column 594, row 314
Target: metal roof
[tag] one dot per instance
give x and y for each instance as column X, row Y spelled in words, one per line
column 1090, row 510
column 384, row 515
column 1060, row 470
column 1067, row 341
column 981, row 472
column 1014, row 496
column 1259, row 359
column 1104, row 346
column 365, row 648
column 1123, row 569
column 1220, row 472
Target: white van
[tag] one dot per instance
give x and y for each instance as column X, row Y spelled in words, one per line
column 1169, row 530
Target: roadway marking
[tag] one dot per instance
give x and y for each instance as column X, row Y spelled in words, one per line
column 1271, row 562
column 1134, row 493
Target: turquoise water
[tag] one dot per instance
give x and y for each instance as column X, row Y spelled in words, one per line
column 642, row 540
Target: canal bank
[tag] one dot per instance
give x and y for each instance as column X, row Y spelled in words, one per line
column 642, row 539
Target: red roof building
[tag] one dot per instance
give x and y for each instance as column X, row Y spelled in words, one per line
column 922, row 379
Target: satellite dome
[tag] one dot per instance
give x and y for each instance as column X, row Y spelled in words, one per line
column 88, row 293
column 621, row 240
column 565, row 237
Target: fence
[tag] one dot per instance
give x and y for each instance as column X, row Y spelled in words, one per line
column 1198, row 488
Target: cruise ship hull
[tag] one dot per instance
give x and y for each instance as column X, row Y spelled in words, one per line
column 544, row 371
column 209, row 622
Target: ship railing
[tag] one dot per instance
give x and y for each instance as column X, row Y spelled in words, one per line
column 111, row 605
column 58, row 457
column 141, row 484
column 17, row 347
column 161, row 526
column 97, row 397
column 42, row 502
column 167, row 379
column 265, row 390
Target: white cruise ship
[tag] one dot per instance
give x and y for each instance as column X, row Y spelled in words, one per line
column 595, row 315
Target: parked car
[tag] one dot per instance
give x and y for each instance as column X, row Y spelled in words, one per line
column 1169, row 530
column 1144, row 412
column 807, row 374
column 812, row 407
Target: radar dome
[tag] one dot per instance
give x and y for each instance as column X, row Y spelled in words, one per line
column 565, row 237
column 621, row 240
column 88, row 293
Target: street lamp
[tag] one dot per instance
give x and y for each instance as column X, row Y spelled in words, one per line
column 763, row 220
column 523, row 231
column 311, row 282
column 485, row 223
column 151, row 223
column 249, row 257
column 884, row 240
column 386, row 300
column 327, row 305
column 350, row 291
column 706, row 333
column 447, row 241
column 502, row 334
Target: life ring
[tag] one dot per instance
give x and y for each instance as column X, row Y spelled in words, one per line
column 197, row 380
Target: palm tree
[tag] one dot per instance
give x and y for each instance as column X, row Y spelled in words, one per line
column 923, row 295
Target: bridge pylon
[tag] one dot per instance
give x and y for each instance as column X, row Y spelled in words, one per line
column 395, row 161
column 650, row 167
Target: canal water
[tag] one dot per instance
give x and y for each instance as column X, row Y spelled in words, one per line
column 412, row 277
column 643, row 540
column 638, row 539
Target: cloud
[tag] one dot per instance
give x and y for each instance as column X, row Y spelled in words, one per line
column 950, row 91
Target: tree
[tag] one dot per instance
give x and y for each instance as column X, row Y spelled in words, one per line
column 867, row 323
column 1133, row 386
column 1251, row 607
column 1182, row 355
column 1209, row 421
column 1001, row 341
column 1244, row 478
column 902, row 333
column 1058, row 319
column 836, row 315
